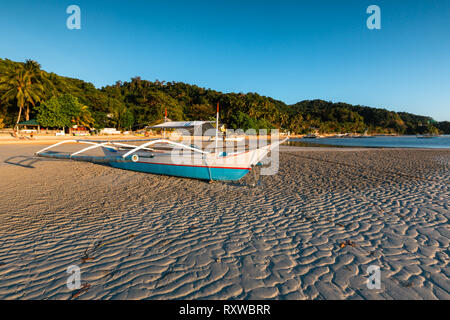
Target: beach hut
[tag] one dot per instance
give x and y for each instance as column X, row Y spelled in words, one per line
column 30, row 123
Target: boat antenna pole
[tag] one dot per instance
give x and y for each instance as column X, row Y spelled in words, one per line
column 217, row 125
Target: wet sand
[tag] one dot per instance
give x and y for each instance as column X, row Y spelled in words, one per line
column 309, row 232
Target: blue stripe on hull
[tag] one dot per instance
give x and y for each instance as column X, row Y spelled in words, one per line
column 183, row 171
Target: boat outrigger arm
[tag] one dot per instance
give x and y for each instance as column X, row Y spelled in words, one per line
column 104, row 143
column 147, row 157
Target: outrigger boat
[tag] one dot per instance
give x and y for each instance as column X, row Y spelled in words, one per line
column 166, row 157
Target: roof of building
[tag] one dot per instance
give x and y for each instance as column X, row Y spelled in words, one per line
column 31, row 122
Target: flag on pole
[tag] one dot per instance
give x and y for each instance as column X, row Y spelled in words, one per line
column 165, row 120
column 217, row 127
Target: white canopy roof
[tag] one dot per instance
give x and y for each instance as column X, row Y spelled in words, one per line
column 181, row 124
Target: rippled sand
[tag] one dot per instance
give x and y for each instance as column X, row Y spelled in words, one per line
column 310, row 232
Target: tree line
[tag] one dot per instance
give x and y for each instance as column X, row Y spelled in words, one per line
column 27, row 92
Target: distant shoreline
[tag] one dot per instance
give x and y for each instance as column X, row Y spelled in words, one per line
column 303, row 143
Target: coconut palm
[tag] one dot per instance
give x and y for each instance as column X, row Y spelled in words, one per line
column 33, row 69
column 19, row 85
column 83, row 118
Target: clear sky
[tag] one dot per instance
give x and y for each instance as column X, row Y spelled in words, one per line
column 289, row 50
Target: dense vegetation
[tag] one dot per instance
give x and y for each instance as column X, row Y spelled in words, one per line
column 27, row 92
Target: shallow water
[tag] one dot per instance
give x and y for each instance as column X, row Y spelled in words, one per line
column 387, row 142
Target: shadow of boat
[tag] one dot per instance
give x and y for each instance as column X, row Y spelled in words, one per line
column 25, row 161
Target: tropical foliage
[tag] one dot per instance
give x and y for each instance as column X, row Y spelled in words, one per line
column 58, row 101
column 63, row 111
column 443, row 126
column 21, row 84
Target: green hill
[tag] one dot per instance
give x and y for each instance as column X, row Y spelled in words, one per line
column 140, row 102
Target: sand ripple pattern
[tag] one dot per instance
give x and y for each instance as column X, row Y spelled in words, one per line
column 309, row 232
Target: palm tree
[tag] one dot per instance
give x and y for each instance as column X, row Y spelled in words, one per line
column 33, row 69
column 84, row 118
column 19, row 85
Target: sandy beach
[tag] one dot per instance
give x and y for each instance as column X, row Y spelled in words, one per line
column 309, row 232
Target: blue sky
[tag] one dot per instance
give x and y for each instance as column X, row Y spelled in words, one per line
column 289, row 50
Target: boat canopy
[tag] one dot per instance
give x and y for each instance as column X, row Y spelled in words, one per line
column 193, row 128
column 181, row 124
